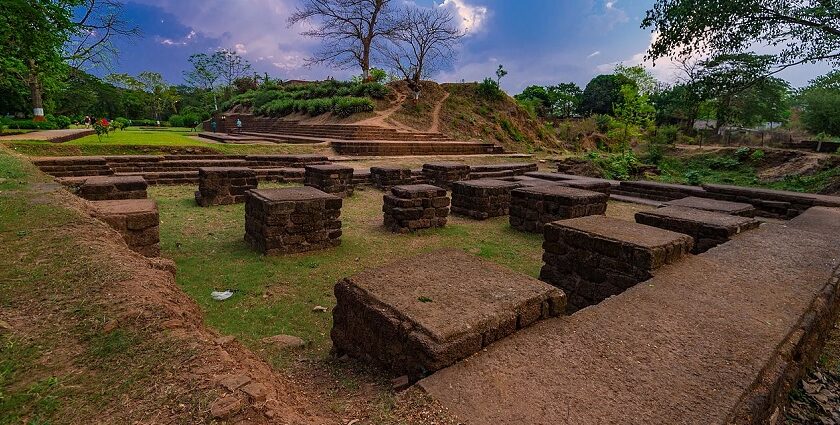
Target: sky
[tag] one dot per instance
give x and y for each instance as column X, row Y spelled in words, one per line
column 540, row 42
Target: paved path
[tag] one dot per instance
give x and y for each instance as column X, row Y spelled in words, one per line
column 50, row 135
column 697, row 344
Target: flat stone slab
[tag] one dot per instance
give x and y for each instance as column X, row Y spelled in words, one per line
column 98, row 188
column 563, row 195
column 719, row 338
column 292, row 194
column 531, row 208
column 329, row 168
column 424, row 313
column 414, row 191
column 707, row 204
column 708, row 228
column 445, row 166
column 137, row 220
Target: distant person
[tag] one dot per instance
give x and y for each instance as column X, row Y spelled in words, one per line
column 238, row 125
column 213, row 126
column 87, row 121
column 157, row 123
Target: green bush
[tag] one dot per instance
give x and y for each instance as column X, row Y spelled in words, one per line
column 16, row 124
column 742, row 153
column 603, row 123
column 667, row 134
column 346, row 106
column 654, row 153
column 489, row 89
column 277, row 108
column 757, row 155
column 692, row 177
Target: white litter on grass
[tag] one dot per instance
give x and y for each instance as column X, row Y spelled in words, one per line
column 221, row 295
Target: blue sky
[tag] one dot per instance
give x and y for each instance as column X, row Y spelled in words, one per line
column 538, row 41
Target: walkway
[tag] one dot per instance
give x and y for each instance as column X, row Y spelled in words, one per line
column 713, row 339
column 55, row 136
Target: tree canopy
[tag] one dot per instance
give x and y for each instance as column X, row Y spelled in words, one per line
column 603, row 93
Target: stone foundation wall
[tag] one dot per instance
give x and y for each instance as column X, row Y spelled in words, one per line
column 412, row 207
column 384, row 178
column 708, row 229
column 482, row 199
column 224, row 186
column 443, row 174
column 291, row 220
column 113, row 187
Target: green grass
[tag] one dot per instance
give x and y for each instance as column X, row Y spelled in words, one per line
column 135, row 136
column 275, row 295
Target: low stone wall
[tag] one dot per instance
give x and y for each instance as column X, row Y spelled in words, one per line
column 413, row 207
column 224, row 186
column 482, row 199
column 113, row 187
column 443, row 174
column 709, row 229
column 594, row 258
column 137, row 220
column 330, row 178
column 291, row 220
column 531, row 208
column 422, row 314
column 715, row 205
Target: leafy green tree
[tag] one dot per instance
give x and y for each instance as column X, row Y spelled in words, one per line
column 646, row 83
column 820, row 103
column 602, row 94
column 806, row 31
column 500, row 72
column 565, row 99
column 634, row 109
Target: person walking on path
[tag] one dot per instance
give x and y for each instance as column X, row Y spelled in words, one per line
column 213, row 125
column 238, row 125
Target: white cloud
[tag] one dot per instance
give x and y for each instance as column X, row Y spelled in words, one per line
column 664, row 69
column 607, row 17
column 240, row 48
column 471, row 19
column 593, row 54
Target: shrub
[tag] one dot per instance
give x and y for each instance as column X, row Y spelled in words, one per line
column 489, row 89
column 757, row 155
column 176, row 121
column 742, row 153
column 667, row 134
column 62, row 121
column 277, row 108
column 602, row 123
column 692, row 177
column 654, row 153
column 346, row 106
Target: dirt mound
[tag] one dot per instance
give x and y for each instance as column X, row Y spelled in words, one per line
column 579, row 167
column 778, row 164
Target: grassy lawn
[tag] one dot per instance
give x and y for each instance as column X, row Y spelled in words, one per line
column 275, row 295
column 135, row 136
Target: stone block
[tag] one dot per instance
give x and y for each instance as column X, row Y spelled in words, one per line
column 708, row 228
column 708, row 204
column 330, row 178
column 482, row 199
column 443, row 174
column 386, row 177
column 224, row 185
column 137, row 220
column 593, row 258
column 291, row 220
column 413, row 207
column 531, row 208
column 422, row 314
column 99, row 188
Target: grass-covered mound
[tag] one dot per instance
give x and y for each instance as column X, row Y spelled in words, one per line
column 341, row 98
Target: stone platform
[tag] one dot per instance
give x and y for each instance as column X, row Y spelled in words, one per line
column 137, row 220
column 718, row 339
column 384, row 178
column 101, row 188
column 593, row 258
column 224, row 185
column 419, row 315
column 482, row 199
column 531, row 208
column 330, row 178
column 413, row 207
column 709, row 229
column 708, row 204
column 443, row 174
column 292, row 220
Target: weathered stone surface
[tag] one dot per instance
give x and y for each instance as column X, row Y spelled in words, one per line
column 290, row 220
column 137, row 220
column 482, row 199
column 224, row 185
column 418, row 315
column 531, row 208
column 708, row 228
column 225, row 407
column 412, row 207
column 284, row 341
column 771, row 203
column 593, row 258
column 330, row 178
column 443, row 174
column 386, row 177
column 100, row 188
column 708, row 204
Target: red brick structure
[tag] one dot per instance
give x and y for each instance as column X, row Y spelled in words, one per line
column 482, row 199
column 330, row 178
column 593, row 258
column 531, row 208
column 384, row 178
column 425, row 313
column 101, row 188
column 443, row 174
column 708, row 228
column 224, row 185
column 290, row 220
column 412, row 207
column 137, row 220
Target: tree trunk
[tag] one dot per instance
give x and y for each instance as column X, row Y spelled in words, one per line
column 36, row 91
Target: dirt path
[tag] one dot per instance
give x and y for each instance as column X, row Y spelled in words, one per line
column 382, row 118
column 435, row 127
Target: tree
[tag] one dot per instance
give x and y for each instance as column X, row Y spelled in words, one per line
column 204, row 74
column 820, row 101
column 500, row 72
column 603, row 93
column 565, row 99
column 45, row 39
column 230, row 66
column 634, row 109
column 646, row 83
column 807, row 30
column 348, row 30
column 423, row 42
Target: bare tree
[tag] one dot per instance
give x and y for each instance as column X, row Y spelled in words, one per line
column 424, row 42
column 100, row 21
column 230, row 67
column 348, row 30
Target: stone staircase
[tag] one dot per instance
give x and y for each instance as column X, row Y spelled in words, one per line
column 346, row 139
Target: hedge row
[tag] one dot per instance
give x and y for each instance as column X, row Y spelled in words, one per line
column 340, row 106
